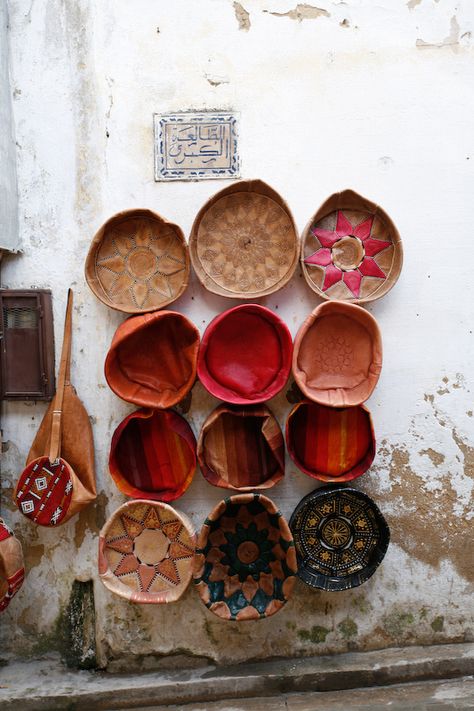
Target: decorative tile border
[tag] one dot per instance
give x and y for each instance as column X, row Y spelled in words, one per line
column 196, row 146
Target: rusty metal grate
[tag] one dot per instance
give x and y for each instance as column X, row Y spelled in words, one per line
column 20, row 317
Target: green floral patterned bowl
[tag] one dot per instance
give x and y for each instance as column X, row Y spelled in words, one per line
column 245, row 561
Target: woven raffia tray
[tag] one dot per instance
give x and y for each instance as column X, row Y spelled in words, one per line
column 351, row 249
column 138, row 262
column 245, row 559
column 244, row 243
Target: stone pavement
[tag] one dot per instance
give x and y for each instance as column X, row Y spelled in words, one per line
column 412, row 678
column 423, row 696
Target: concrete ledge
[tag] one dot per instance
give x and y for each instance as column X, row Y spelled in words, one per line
column 45, row 684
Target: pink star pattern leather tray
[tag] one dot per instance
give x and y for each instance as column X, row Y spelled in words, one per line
column 330, row 444
column 351, row 249
column 244, row 243
column 337, row 357
column 146, row 552
column 153, row 455
column 241, row 448
column 12, row 567
column 138, row 262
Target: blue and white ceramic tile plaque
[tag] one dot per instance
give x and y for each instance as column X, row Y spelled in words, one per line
column 196, row 146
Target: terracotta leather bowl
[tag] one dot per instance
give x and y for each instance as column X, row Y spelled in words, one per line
column 245, row 559
column 340, row 536
column 351, row 249
column 330, row 444
column 241, row 448
column 138, row 262
column 146, row 552
column 153, row 455
column 337, row 356
column 12, row 567
column 245, row 355
column 152, row 359
column 244, row 242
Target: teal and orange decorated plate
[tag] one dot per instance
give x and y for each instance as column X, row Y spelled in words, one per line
column 341, row 537
column 245, row 562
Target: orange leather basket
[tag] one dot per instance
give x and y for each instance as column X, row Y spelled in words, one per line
column 152, row 359
column 337, row 357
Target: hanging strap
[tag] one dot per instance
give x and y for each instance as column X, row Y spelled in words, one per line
column 63, row 377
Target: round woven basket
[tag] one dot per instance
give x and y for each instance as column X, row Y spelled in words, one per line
column 245, row 355
column 245, row 559
column 138, row 262
column 351, row 249
column 146, row 552
column 341, row 538
column 244, row 242
column 337, row 356
column 330, row 444
column 153, row 455
column 241, row 448
column 153, row 358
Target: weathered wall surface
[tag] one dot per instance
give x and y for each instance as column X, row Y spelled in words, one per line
column 369, row 94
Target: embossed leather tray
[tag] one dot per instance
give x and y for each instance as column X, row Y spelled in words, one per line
column 244, row 242
column 153, row 455
column 138, row 262
column 341, row 538
column 153, row 358
column 328, row 443
column 337, row 356
column 146, row 552
column 245, row 355
column 351, row 249
column 241, row 448
column 245, row 559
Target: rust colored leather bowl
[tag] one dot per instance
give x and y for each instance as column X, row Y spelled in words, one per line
column 153, row 455
column 245, row 559
column 328, row 443
column 337, row 356
column 146, row 552
column 152, row 359
column 241, row 448
column 245, row 355
column 138, row 262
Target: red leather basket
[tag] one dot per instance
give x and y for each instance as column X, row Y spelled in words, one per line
column 245, row 355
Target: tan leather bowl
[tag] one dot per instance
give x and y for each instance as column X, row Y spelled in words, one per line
column 138, row 262
column 244, row 243
column 337, row 356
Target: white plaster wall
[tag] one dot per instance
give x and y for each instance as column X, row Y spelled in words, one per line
column 375, row 95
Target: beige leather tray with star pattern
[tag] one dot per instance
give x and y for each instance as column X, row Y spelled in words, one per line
column 138, row 262
column 146, row 552
column 244, row 243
